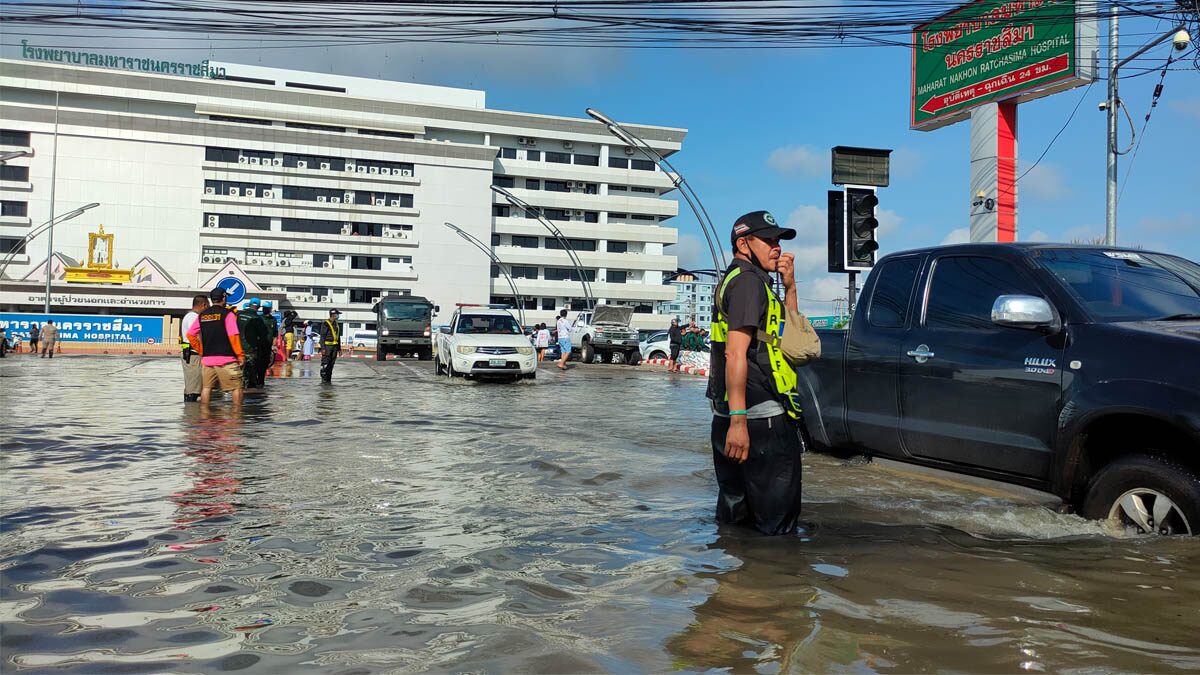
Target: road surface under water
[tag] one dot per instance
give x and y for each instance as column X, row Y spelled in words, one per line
column 396, row 522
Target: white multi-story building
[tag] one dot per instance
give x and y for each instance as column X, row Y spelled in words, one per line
column 693, row 300
column 331, row 191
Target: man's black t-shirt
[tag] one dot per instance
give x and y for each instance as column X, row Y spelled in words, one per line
column 744, row 305
column 675, row 335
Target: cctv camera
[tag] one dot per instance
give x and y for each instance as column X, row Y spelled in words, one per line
column 1181, row 40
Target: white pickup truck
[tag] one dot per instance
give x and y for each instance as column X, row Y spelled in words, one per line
column 605, row 331
column 484, row 342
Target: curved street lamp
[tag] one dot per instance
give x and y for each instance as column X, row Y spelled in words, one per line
column 499, row 265
column 689, row 195
column 553, row 229
column 37, row 232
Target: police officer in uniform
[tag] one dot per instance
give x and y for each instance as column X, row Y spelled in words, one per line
column 268, row 347
column 756, row 436
column 254, row 336
column 329, row 337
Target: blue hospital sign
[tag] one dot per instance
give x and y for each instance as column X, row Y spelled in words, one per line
column 235, row 289
column 87, row 328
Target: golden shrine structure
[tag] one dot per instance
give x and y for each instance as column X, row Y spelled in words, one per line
column 99, row 268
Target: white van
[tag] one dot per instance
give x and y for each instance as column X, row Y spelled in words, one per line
column 364, row 339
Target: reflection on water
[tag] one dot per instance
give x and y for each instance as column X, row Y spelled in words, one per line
column 396, row 521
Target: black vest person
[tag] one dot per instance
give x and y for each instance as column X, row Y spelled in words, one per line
column 755, row 437
column 329, row 337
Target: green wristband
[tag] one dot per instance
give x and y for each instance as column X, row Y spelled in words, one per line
column 736, row 412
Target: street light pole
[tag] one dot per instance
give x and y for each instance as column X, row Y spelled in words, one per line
column 50, row 240
column 689, row 195
column 47, row 226
column 499, row 265
column 558, row 235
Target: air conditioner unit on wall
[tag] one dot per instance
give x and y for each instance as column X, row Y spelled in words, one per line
column 348, row 197
column 268, row 194
column 347, row 229
column 323, row 298
column 406, row 172
column 213, row 221
column 335, row 200
column 253, row 261
column 629, row 150
column 301, row 164
column 374, row 169
column 277, row 162
column 251, row 192
column 324, row 166
column 234, row 192
column 242, row 159
column 210, row 191
column 327, row 265
column 207, row 259
column 379, row 202
column 375, row 300
column 567, row 145
column 349, row 166
column 384, row 171
column 396, row 203
column 322, row 198
column 255, row 160
column 361, row 169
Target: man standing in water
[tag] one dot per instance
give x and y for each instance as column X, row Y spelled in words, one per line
column 49, row 338
column 564, row 339
column 755, row 437
column 192, row 370
column 329, row 334
column 215, row 337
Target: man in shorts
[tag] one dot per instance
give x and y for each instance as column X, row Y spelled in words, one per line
column 215, row 337
column 564, row 339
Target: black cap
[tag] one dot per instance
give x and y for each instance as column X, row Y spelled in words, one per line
column 333, row 312
column 760, row 224
column 217, row 294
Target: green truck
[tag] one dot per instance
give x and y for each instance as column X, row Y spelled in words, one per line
column 404, row 324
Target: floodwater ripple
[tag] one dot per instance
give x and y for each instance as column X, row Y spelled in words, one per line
column 395, row 522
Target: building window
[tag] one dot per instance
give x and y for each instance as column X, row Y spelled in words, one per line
column 239, row 222
column 558, row 157
column 495, row 240
column 556, row 214
column 533, row 155
column 567, row 274
column 557, row 186
column 616, row 276
column 644, row 189
column 616, row 188
column 639, row 216
column 388, row 134
column 587, row 160
column 365, row 262
column 548, row 304
column 577, row 244
column 495, row 271
column 591, row 217
column 17, row 173
column 522, row 241
column 14, row 245
column 321, row 260
column 501, row 210
column 311, row 225
column 618, row 162
column 523, row 272
column 578, row 304
column 240, row 120
column 364, row 295
column 8, row 208
column 317, row 87
column 314, row 127
column 504, row 181
column 508, row 153
column 532, row 184
column 229, row 155
column 641, row 165
column 14, row 137
column 618, row 247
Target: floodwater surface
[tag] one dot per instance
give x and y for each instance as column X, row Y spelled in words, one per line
column 398, row 522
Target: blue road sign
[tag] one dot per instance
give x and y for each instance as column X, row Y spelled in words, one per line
column 235, row 290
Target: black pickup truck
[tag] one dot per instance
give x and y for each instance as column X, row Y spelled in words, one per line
column 1070, row 369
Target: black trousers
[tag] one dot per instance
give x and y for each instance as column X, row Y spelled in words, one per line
column 764, row 491
column 328, row 358
column 250, row 379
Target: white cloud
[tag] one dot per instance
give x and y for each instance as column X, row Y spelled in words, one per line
column 1044, row 182
column 1036, row 235
column 961, row 235
column 691, row 251
column 1187, row 106
column 803, row 160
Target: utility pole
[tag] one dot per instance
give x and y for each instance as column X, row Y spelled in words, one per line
column 53, row 182
column 1110, row 192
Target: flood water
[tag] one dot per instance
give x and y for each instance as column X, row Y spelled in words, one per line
column 396, row 522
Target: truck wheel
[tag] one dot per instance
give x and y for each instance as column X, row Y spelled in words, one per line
column 587, row 353
column 1150, row 494
column 437, row 365
column 633, row 357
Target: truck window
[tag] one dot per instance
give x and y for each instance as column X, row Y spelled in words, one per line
column 889, row 304
column 405, row 311
column 1127, row 286
column 964, row 288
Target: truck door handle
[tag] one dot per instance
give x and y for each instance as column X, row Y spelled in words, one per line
column 921, row 353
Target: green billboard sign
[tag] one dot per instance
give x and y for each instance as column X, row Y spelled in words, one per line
column 998, row 50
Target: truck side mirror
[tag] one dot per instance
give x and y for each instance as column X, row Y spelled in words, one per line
column 1025, row 311
column 445, row 330
column 437, row 309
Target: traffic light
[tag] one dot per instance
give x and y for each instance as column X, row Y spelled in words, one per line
column 837, row 231
column 861, row 223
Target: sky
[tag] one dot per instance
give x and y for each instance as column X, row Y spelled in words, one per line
column 761, row 124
